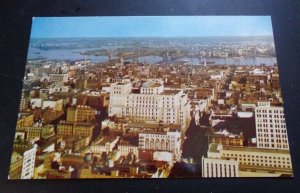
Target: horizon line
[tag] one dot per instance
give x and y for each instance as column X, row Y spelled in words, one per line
column 266, row 35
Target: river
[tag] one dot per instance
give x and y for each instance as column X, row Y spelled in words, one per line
column 75, row 54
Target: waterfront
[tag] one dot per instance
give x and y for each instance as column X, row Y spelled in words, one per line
column 75, row 54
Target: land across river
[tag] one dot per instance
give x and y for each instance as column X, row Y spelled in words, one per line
column 76, row 54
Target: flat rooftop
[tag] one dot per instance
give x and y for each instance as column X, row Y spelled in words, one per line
column 153, row 125
column 170, row 92
column 255, row 149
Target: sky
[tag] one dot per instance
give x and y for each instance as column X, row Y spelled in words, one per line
column 150, row 26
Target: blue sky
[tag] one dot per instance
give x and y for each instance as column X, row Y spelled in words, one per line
column 151, row 26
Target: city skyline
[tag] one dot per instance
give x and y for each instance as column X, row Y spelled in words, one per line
column 151, row 26
column 151, row 108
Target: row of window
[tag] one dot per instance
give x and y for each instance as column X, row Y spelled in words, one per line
column 254, row 156
column 284, row 146
column 267, row 164
column 271, row 135
column 272, row 125
column 271, row 130
column 229, row 171
column 270, row 111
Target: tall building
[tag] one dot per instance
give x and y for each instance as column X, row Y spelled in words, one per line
column 152, row 103
column 28, row 153
column 80, row 113
column 271, row 129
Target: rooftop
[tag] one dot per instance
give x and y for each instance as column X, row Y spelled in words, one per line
column 106, row 139
column 255, row 149
column 153, row 126
column 151, row 84
column 170, row 92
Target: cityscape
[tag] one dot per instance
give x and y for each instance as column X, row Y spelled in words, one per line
column 151, row 103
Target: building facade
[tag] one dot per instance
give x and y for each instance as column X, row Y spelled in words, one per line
column 162, row 141
column 105, row 144
column 152, row 103
column 126, row 148
column 80, row 113
column 56, row 105
column 226, row 138
column 253, row 160
column 215, row 168
column 271, row 129
column 79, row 129
column 58, row 77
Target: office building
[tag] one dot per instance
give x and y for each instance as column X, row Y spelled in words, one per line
column 271, row 129
column 152, row 103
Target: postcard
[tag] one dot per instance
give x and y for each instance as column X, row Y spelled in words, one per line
column 151, row 97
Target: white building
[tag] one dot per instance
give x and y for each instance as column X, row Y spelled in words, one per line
column 163, row 141
column 28, row 154
column 53, row 104
column 271, row 129
column 36, row 103
column 217, row 75
column 215, row 168
column 152, row 103
column 245, row 114
column 252, row 161
column 163, row 156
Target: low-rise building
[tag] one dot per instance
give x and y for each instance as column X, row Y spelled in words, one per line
column 58, row 77
column 65, row 128
column 226, row 138
column 126, row 148
column 104, row 144
column 25, row 119
column 37, row 132
column 80, row 113
column 161, row 140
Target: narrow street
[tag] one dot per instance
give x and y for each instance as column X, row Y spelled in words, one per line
column 194, row 147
